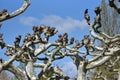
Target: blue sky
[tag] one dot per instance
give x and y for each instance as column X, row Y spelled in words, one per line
column 65, row 15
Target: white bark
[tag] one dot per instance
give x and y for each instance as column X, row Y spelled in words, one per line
column 17, row 12
column 17, row 72
column 81, row 72
column 30, row 70
column 57, row 49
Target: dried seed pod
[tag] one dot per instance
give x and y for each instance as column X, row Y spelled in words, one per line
column 86, row 16
column 86, row 40
column 72, row 40
column 60, row 38
column 4, row 12
column 17, row 40
column 35, row 28
column 97, row 10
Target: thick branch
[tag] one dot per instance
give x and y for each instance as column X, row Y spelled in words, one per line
column 103, row 59
column 17, row 72
column 17, row 12
column 49, row 62
column 39, row 50
column 58, row 71
column 98, row 62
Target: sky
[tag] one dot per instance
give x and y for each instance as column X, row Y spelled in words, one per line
column 65, row 15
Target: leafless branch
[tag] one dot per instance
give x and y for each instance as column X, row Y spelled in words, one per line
column 4, row 16
column 112, row 4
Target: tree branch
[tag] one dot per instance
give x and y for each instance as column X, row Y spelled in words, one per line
column 17, row 72
column 103, row 59
column 17, row 12
column 112, row 4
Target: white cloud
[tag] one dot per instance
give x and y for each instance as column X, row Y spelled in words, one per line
column 29, row 21
column 62, row 24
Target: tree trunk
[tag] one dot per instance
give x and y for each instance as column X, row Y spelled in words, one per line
column 30, row 71
column 81, row 71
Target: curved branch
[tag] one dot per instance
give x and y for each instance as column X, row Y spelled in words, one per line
column 49, row 62
column 75, row 50
column 39, row 50
column 94, row 59
column 95, row 35
column 58, row 71
column 97, row 23
column 17, row 12
column 98, row 62
column 10, row 60
column 103, row 59
column 96, row 47
column 17, row 72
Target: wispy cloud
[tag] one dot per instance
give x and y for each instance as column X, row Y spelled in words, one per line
column 62, row 24
column 29, row 21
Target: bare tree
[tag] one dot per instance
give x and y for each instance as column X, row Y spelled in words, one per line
column 110, row 25
column 35, row 45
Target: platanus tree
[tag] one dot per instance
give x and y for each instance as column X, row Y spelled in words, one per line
column 37, row 44
column 110, row 25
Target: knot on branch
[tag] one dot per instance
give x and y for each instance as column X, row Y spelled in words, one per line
column 4, row 12
column 17, row 41
column 2, row 44
column 60, row 39
column 9, row 51
column 86, row 16
column 78, row 44
column 87, row 42
column 1, row 60
column 83, row 58
column 97, row 20
column 97, row 10
column 63, row 39
column 30, row 40
column 47, row 30
column 72, row 40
